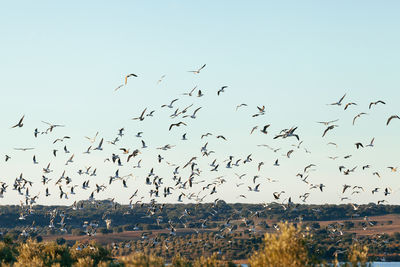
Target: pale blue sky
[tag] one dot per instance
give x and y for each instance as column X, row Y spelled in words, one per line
column 60, row 62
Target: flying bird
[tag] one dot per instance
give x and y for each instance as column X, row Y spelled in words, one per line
column 141, row 117
column 375, row 103
column 339, row 103
column 328, row 129
column 358, row 116
column 391, row 118
column 128, row 76
column 198, row 70
column 20, row 122
column 177, row 125
column 222, row 89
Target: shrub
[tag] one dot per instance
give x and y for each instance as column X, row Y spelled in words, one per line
column 286, row 248
column 211, row 261
column 43, row 254
column 358, row 255
column 140, row 259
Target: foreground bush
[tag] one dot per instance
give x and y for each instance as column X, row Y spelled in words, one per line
column 286, row 248
column 32, row 253
column 141, row 260
column 289, row 246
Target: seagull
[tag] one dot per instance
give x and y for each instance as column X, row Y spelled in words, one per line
column 20, row 123
column 170, row 105
column 23, row 148
column 349, row 104
column 143, row 144
column 184, row 137
column 357, row 116
column 191, row 92
column 345, row 188
column 222, row 137
column 161, row 79
column 99, row 147
column 177, row 124
column 92, row 140
column 129, row 75
column 118, row 87
column 329, row 128
column 253, row 129
column 391, row 118
column 264, row 130
column 241, row 105
column 222, row 89
column 339, row 103
column 261, row 111
column 198, row 71
column 377, row 174
column 371, row 144
column 358, row 145
column 377, row 102
column 52, row 126
column 141, row 117
column 326, row 123
column 193, row 116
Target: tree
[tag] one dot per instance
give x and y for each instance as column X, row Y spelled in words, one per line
column 285, row 248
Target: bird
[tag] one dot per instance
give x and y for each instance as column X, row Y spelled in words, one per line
column 141, row 117
column 330, row 127
column 358, row 116
column 92, row 139
column 24, row 148
column 375, row 103
column 391, row 118
column 20, row 123
column 371, row 144
column 170, row 104
column 34, row 160
column 177, row 124
column 99, row 147
column 326, row 123
column 358, row 145
column 222, row 89
column 349, row 104
column 264, row 129
column 119, row 86
column 198, row 70
column 377, row 174
column 161, row 79
column 128, row 76
column 191, row 92
column 222, row 137
column 241, row 105
column 193, row 116
column 339, row 103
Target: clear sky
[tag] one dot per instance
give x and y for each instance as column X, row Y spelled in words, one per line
column 60, row 62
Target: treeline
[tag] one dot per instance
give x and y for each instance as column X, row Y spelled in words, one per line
column 146, row 214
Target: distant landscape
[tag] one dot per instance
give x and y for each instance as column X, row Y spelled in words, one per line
column 232, row 231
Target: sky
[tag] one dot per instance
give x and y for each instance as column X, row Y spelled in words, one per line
column 60, row 63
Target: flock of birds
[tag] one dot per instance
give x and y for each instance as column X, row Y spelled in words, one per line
column 187, row 180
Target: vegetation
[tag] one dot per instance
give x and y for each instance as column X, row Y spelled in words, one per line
column 291, row 245
column 286, row 248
